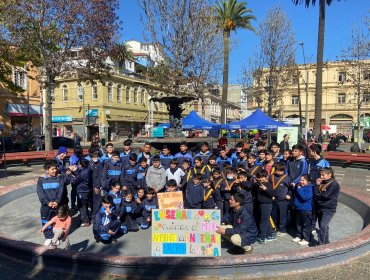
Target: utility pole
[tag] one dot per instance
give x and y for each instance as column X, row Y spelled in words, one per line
column 307, row 121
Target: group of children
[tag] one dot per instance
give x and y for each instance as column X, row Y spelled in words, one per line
column 117, row 191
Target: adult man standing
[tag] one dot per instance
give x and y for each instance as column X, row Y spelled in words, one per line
column 243, row 232
column 284, row 145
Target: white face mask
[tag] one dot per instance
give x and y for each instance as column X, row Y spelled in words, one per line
column 230, row 177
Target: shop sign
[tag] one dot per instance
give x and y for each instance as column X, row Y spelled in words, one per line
column 61, row 118
column 158, row 132
column 92, row 113
column 78, row 119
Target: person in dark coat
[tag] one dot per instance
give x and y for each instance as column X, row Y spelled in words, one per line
column 284, row 145
column 243, row 231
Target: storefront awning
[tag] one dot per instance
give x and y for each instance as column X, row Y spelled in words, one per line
column 22, row 110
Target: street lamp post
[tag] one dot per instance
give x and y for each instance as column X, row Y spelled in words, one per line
column 306, row 105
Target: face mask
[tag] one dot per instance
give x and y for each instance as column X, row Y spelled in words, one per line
column 230, row 177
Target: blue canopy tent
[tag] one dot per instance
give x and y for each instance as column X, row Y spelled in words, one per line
column 193, row 121
column 256, row 120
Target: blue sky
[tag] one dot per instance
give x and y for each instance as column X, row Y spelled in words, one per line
column 340, row 17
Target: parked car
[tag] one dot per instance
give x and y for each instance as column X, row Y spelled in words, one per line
column 58, row 141
column 340, row 136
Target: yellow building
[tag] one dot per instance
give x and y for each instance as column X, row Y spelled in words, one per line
column 339, row 99
column 21, row 113
column 113, row 108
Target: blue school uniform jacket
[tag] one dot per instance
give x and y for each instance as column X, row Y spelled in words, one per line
column 141, row 173
column 212, row 199
column 129, row 175
column 245, row 188
column 96, row 169
column 181, row 156
column 51, row 189
column 165, row 160
column 194, row 195
column 244, row 225
column 326, row 195
column 129, row 208
column 221, row 161
column 100, row 217
column 303, row 198
column 147, row 205
column 297, row 168
column 117, row 200
column 124, row 156
column 82, row 180
column 204, row 156
column 315, row 166
column 112, row 173
column 281, row 186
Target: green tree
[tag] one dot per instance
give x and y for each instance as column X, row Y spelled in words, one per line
column 120, row 53
column 230, row 16
column 319, row 60
column 64, row 38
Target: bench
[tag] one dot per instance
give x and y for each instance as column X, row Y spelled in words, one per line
column 348, row 158
column 33, row 155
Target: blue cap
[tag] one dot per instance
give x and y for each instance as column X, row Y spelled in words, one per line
column 62, row 150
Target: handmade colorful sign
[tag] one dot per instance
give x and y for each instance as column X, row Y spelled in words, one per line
column 185, row 233
column 170, row 200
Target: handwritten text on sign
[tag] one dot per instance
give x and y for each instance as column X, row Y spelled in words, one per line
column 185, row 232
column 170, row 200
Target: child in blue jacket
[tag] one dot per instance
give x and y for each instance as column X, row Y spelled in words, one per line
column 83, row 181
column 149, row 203
column 50, row 189
column 303, row 196
column 106, row 223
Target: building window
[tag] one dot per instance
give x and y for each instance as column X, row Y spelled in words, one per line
column 136, row 96
column 143, row 97
column 342, row 77
column 366, row 98
column 295, row 100
column 20, row 78
column 65, row 93
column 341, row 98
column 366, row 75
column 128, row 95
column 94, row 91
column 110, row 92
column 80, row 92
column 119, row 93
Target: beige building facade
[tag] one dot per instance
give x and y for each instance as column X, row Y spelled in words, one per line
column 339, row 97
column 113, row 108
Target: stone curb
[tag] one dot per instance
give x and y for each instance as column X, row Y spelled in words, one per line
column 227, row 267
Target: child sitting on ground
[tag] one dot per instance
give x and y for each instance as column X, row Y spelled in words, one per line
column 61, row 224
column 149, row 203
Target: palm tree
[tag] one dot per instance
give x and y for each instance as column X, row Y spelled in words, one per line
column 230, row 15
column 319, row 60
column 121, row 53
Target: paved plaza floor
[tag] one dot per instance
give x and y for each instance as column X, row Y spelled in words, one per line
column 20, row 219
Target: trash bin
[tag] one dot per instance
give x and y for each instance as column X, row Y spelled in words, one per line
column 102, row 142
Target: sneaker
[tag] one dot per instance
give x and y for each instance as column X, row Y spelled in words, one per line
column 85, row 224
column 303, row 242
column 297, row 239
column 270, row 238
column 280, row 234
column 248, row 250
column 261, row 240
column 47, row 242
